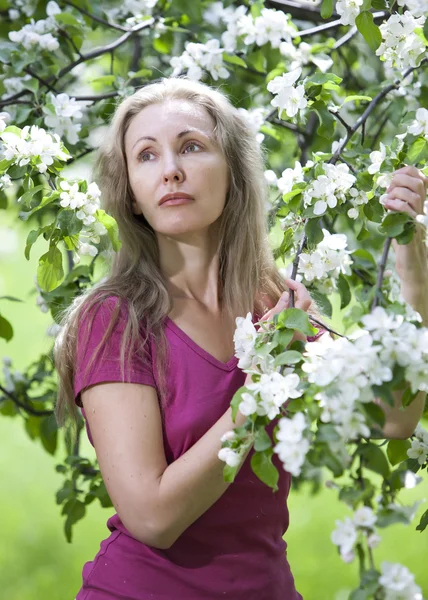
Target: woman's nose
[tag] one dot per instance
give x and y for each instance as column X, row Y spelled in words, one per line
column 172, row 171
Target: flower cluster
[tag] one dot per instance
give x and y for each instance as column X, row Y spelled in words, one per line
column 86, row 203
column 271, row 392
column 347, row 532
column 291, row 445
column 287, row 97
column 420, row 124
column 137, row 8
column 244, row 339
column 291, row 176
column 272, row 26
column 255, row 118
column 398, row 582
column 348, row 10
column 198, row 57
column 419, row 448
column 329, row 259
column 32, row 145
column 39, row 33
column 61, row 114
column 5, row 181
column 415, row 7
column 329, row 189
column 401, row 47
column 303, row 54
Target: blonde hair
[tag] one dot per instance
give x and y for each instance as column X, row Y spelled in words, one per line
column 247, row 271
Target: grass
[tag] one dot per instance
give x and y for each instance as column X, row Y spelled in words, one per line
column 36, row 561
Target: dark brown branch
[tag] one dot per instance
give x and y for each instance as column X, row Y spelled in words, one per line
column 95, row 18
column 377, row 16
column 65, row 34
column 339, row 118
column 29, row 409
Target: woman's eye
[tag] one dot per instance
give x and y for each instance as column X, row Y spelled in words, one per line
column 142, row 156
column 192, row 144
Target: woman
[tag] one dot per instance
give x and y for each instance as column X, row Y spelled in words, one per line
column 183, row 176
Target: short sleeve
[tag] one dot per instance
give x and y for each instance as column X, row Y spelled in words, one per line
column 106, row 367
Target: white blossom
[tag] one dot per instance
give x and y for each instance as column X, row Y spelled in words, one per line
column 416, row 7
column 255, row 118
column 33, row 144
column 244, row 339
column 4, row 116
column 288, row 98
column 229, row 456
column 418, row 451
column 274, row 390
column 348, row 10
column 364, row 517
column 199, row 57
column 289, row 177
column 37, row 34
column 248, row 404
column 420, row 124
column 401, row 47
column 377, row 157
column 345, row 535
column 229, row 436
column 398, row 582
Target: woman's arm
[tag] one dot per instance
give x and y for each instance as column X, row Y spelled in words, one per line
column 407, row 193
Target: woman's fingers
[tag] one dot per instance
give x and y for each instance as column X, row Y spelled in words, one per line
column 279, row 307
column 302, row 298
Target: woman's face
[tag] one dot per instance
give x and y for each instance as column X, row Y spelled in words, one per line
column 170, row 148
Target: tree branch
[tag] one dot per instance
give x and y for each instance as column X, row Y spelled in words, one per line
column 104, row 49
column 299, row 10
column 95, row 18
column 376, row 100
column 29, row 409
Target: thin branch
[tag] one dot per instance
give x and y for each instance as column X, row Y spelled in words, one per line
column 381, row 271
column 376, row 100
column 95, row 18
column 96, row 98
column 324, row 326
column 377, row 16
column 348, row 164
column 40, row 80
column 341, row 119
column 299, row 10
column 29, row 409
column 104, row 49
column 65, row 34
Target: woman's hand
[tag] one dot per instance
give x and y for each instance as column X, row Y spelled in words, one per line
column 302, row 300
column 407, row 193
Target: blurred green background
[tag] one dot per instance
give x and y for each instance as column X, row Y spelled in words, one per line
column 36, row 562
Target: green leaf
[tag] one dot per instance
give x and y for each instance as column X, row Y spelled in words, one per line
column 67, row 19
column 111, row 226
column 313, row 231
column 290, row 357
column 418, row 150
column 397, row 451
column 262, row 466
column 344, row 291
column 323, row 302
column 327, row 121
column 375, row 413
column 50, row 272
column 104, row 79
column 408, row 396
column 374, row 459
column 11, row 298
column 32, row 238
column 354, row 97
column 368, row 29
column 394, row 223
column 425, row 30
column 383, row 391
column 423, row 523
column 234, row 60
column 359, row 594
column 49, row 434
column 6, row 329
column 262, row 441
column 327, row 9
column 295, row 318
column 75, row 510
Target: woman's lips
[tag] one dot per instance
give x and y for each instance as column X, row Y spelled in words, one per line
column 176, row 201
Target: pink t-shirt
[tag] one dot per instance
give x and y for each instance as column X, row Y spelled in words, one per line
column 235, row 549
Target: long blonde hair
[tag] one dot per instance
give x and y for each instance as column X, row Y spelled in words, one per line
column 247, row 272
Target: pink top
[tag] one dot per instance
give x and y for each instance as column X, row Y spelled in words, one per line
column 235, row 549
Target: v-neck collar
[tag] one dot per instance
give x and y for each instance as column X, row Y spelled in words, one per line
column 228, row 366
